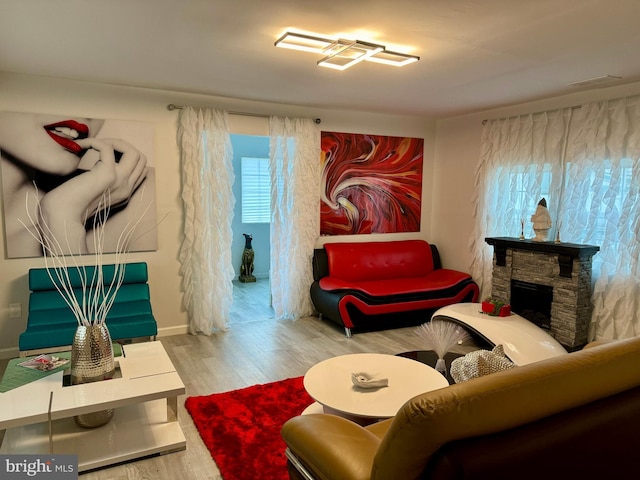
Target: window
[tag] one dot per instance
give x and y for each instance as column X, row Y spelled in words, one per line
column 592, row 150
column 256, row 190
column 607, row 200
column 515, row 194
column 522, row 180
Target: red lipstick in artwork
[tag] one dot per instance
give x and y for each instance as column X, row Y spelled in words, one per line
column 64, row 133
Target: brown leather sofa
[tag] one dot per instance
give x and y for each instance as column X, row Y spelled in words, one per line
column 572, row 416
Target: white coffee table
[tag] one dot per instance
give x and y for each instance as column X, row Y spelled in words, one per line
column 329, row 384
column 523, row 341
column 145, row 422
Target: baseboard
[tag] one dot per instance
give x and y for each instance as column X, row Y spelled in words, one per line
column 11, row 352
column 168, row 331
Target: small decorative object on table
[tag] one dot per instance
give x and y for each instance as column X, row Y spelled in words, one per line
column 44, row 363
column 440, row 336
column 496, row 308
column 364, row 380
column 479, row 363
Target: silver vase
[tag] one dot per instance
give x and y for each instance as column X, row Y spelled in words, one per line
column 92, row 361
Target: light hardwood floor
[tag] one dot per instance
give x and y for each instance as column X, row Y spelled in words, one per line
column 250, row 352
column 251, row 302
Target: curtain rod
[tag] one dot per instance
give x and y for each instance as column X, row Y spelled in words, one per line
column 173, row 106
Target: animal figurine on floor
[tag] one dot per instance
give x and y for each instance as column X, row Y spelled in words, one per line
column 246, row 269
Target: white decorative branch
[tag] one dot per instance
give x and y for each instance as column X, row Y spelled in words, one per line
column 96, row 298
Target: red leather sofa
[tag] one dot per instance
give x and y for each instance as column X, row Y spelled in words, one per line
column 377, row 285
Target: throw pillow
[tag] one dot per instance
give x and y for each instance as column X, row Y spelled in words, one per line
column 480, row 363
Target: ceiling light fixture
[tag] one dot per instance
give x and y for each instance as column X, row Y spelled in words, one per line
column 304, row 42
column 393, row 58
column 341, row 54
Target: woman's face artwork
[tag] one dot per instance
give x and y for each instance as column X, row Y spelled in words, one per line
column 46, row 142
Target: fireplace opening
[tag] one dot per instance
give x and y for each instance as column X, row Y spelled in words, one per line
column 532, row 301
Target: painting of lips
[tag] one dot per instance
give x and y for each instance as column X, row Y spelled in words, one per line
column 64, row 133
column 370, row 184
column 66, row 163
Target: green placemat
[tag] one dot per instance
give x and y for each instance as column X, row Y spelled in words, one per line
column 16, row 376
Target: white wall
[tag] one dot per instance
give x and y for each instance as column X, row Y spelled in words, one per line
column 447, row 184
column 23, row 93
column 455, row 159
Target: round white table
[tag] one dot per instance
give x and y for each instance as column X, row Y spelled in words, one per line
column 329, row 384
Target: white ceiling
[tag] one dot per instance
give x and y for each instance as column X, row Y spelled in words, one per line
column 475, row 54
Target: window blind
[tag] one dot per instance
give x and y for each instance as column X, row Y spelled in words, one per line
column 256, row 190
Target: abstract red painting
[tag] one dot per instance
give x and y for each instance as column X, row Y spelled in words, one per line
column 370, row 184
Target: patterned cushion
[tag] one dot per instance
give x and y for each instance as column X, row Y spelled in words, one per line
column 479, row 363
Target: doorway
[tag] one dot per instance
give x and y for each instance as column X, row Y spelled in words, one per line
column 251, row 300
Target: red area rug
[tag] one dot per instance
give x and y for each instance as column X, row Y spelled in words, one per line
column 241, row 428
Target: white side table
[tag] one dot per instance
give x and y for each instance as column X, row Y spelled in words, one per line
column 523, row 341
column 329, row 384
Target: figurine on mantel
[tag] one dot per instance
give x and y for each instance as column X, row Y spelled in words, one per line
column 541, row 222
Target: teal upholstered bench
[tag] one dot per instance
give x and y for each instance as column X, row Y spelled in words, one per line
column 51, row 324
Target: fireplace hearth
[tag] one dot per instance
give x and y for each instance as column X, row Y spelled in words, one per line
column 546, row 282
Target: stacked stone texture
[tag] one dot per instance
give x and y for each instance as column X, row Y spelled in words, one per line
column 571, row 306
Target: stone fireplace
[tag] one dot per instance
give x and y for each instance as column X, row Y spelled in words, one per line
column 546, row 282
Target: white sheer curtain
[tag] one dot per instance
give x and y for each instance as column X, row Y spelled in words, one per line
column 586, row 162
column 520, row 163
column 601, row 206
column 205, row 253
column 295, row 217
